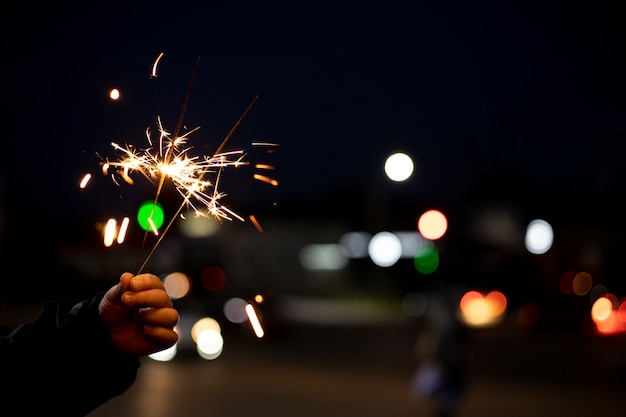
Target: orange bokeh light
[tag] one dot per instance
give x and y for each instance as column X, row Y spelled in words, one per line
column 432, row 224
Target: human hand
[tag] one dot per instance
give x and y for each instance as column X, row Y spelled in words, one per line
column 139, row 315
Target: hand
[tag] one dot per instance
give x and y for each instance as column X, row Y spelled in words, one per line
column 139, row 315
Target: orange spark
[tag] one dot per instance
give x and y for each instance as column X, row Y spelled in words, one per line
column 154, row 66
column 265, row 179
column 255, row 223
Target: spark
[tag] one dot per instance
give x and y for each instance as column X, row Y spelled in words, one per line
column 85, row 180
column 156, row 63
column 265, row 179
column 255, row 223
column 195, row 177
column 265, row 144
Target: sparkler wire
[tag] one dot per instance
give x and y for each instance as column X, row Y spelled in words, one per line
column 167, row 160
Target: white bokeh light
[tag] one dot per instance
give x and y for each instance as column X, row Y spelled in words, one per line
column 385, row 249
column 235, row 310
column 164, row 355
column 399, row 167
column 114, row 94
column 210, row 344
column 539, row 237
column 354, row 244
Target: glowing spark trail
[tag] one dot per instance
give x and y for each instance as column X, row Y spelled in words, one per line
column 265, row 179
column 156, row 63
column 255, row 223
column 85, row 180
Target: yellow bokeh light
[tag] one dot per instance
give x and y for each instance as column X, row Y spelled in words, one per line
column 478, row 310
column 114, row 94
column 432, row 224
column 601, row 309
column 205, row 323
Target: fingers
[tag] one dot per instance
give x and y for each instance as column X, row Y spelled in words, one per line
column 144, row 282
column 157, row 317
column 125, row 281
column 161, row 336
column 158, row 325
column 144, row 290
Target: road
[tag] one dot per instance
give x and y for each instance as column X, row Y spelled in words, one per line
column 365, row 371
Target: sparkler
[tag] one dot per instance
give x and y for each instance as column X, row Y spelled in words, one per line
column 196, row 178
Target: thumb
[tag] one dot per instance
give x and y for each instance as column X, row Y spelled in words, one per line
column 114, row 295
column 111, row 304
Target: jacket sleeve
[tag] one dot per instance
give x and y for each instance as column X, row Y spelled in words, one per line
column 64, row 362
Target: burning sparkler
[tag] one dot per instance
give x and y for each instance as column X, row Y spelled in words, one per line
column 196, row 178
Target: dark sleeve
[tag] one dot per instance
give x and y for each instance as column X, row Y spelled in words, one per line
column 63, row 363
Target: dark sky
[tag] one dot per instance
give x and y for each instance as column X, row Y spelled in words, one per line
column 467, row 88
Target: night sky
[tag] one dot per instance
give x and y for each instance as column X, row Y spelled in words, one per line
column 472, row 90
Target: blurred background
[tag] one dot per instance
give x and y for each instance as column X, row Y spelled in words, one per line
column 420, row 210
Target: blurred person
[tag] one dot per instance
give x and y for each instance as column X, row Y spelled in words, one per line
column 439, row 378
column 77, row 355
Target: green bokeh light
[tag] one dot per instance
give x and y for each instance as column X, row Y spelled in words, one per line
column 426, row 260
column 147, row 209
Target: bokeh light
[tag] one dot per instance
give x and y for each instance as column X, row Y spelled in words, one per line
column 235, row 310
column 255, row 321
column 478, row 310
column 621, row 311
column 168, row 354
column 598, row 291
column 213, row 278
column 165, row 355
column 319, row 256
column 566, row 282
column 203, row 324
column 210, row 344
column 601, row 309
column 195, row 226
column 354, row 244
column 150, row 215
column 607, row 313
column 426, row 260
column 399, row 167
column 539, row 237
column 432, row 224
column 582, row 283
column 110, row 231
column 385, row 249
column 114, row 94
column 177, row 285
